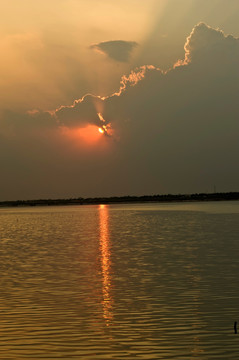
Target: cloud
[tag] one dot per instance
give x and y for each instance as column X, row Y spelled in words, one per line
column 118, row 50
column 193, row 110
column 206, row 44
column 81, row 112
column 174, row 131
column 180, row 127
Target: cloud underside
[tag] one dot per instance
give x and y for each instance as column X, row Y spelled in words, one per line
column 174, row 132
column 118, row 50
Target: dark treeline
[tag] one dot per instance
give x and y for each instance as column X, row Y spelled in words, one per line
column 124, row 199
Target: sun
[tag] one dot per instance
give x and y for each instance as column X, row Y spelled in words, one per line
column 105, row 129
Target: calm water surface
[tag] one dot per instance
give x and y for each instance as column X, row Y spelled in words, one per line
column 145, row 281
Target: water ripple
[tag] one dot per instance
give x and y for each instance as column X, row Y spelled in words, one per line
column 118, row 282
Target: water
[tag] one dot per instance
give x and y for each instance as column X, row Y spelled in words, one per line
column 144, row 281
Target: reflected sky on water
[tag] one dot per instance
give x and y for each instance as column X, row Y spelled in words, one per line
column 145, row 281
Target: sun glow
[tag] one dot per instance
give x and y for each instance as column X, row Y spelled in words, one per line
column 89, row 134
column 101, row 130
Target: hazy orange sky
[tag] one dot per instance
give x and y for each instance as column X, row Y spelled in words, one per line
column 68, row 67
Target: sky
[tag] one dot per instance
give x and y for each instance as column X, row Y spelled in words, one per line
column 104, row 98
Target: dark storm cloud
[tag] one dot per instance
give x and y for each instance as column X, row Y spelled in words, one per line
column 184, row 123
column 118, row 50
column 177, row 131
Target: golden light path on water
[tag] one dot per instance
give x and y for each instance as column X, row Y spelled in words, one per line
column 107, row 301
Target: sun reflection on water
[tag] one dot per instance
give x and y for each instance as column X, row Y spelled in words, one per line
column 107, row 301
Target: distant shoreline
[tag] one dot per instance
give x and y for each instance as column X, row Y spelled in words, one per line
column 124, row 199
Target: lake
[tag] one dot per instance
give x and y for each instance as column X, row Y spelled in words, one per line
column 134, row 281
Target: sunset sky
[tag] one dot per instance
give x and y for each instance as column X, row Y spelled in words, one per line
column 158, row 78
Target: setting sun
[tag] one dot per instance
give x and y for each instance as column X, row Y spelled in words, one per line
column 101, row 130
